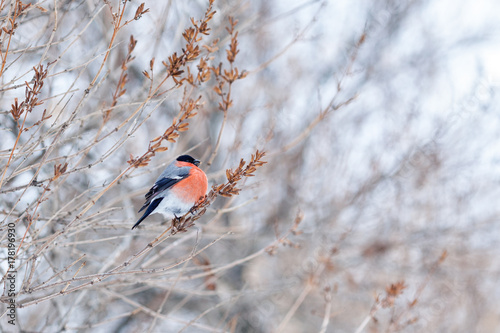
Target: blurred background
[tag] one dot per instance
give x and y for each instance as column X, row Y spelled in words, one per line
column 380, row 123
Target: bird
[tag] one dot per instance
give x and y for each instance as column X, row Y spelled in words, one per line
column 180, row 186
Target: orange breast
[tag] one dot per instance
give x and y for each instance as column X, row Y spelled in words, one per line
column 193, row 187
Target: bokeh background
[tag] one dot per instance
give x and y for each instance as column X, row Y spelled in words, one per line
column 380, row 123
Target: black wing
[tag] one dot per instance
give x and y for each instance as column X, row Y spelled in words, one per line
column 150, row 209
column 158, row 187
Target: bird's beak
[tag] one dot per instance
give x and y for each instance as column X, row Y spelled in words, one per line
column 197, row 162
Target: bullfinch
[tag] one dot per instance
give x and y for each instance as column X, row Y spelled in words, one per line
column 178, row 188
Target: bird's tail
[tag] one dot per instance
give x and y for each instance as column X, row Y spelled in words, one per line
column 139, row 222
column 152, row 206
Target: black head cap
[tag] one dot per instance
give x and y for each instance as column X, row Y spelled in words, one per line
column 188, row 159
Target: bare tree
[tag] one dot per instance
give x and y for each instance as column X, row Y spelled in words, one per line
column 370, row 133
